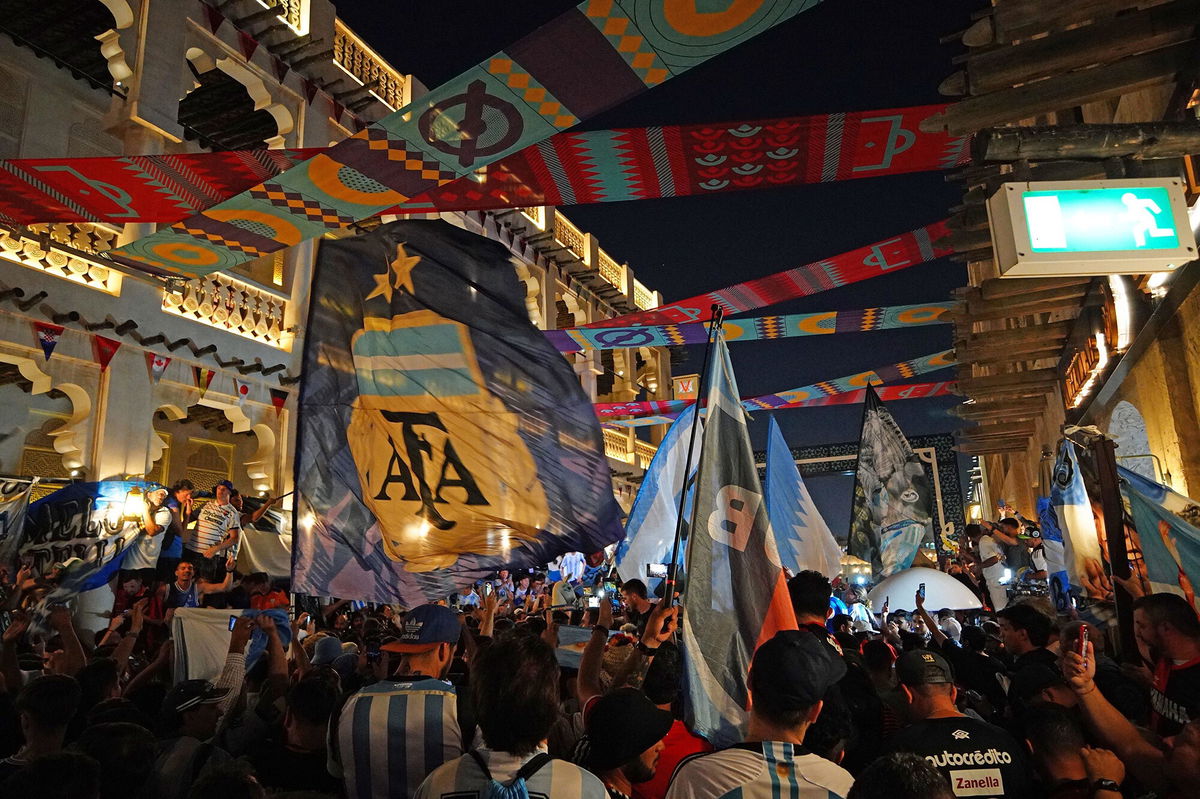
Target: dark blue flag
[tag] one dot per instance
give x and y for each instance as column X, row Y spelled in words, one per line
column 441, row 435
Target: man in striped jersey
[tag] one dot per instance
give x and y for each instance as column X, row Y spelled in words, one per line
column 790, row 675
column 515, row 686
column 392, row 734
column 212, row 545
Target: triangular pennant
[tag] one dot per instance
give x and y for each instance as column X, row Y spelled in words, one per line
column 310, row 89
column 335, row 110
column 242, row 389
column 279, row 67
column 106, row 348
column 47, row 335
column 203, row 378
column 213, row 17
column 278, row 397
column 247, row 44
column 156, row 364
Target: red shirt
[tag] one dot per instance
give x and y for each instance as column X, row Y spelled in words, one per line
column 679, row 743
column 269, row 600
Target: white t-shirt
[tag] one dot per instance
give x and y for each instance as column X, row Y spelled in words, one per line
column 1037, row 557
column 144, row 551
column 764, row 770
column 989, row 548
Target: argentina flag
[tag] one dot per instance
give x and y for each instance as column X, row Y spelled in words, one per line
column 441, row 436
column 801, row 535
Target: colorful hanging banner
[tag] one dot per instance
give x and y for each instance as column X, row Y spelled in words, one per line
column 883, row 374
column 580, row 339
column 568, row 168
column 242, row 390
column 886, row 393
column 681, row 160
column 48, row 336
column 156, row 364
column 132, row 188
column 899, row 252
column 585, row 61
column 105, row 348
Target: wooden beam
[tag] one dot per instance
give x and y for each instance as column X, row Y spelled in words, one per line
column 1141, row 140
column 1063, row 91
column 999, row 430
column 1050, row 331
column 977, row 303
column 980, row 350
column 1001, row 287
column 1016, row 19
column 991, row 449
column 1029, row 378
column 997, row 358
column 1102, row 42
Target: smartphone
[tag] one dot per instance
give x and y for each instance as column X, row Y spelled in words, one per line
column 657, row 569
column 594, row 602
column 488, row 588
column 232, row 622
column 1083, row 643
column 921, row 590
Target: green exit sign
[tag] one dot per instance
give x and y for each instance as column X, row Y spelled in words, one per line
column 1090, row 227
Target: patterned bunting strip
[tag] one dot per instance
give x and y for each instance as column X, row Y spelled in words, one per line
column 568, row 168
column 585, row 61
column 753, row 329
column 899, row 252
column 278, row 398
column 203, row 378
column 826, row 388
column 900, row 392
column 676, row 161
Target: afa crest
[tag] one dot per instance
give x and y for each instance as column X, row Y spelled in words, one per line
column 441, row 463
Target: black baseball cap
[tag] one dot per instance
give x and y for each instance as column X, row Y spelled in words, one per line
column 619, row 727
column 922, row 667
column 1031, row 680
column 794, row 670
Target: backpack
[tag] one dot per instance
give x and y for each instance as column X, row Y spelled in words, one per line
column 516, row 790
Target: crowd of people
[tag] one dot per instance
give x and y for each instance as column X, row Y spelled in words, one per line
column 472, row 696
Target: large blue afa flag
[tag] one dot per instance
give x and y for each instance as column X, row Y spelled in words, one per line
column 801, row 535
column 441, row 436
column 650, row 529
column 735, row 596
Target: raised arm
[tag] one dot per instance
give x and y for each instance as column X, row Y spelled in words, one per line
column 939, row 637
column 587, row 684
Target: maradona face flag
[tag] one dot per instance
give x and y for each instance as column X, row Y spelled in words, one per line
column 441, row 435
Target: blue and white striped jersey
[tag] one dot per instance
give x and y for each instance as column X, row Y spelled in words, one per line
column 766, row 770
column 391, row 735
column 558, row 779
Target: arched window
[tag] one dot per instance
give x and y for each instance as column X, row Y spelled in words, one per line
column 1127, row 429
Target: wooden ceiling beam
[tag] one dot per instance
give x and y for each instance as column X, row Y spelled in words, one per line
column 1000, row 287
column 1049, row 331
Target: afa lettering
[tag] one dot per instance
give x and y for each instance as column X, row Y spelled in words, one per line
column 408, row 466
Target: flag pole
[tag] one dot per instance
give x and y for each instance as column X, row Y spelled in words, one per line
column 868, row 391
column 714, row 325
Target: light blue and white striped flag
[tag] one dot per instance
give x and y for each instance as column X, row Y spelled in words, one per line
column 650, row 530
column 801, row 535
column 1073, row 508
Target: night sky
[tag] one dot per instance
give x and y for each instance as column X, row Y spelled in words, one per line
column 844, row 55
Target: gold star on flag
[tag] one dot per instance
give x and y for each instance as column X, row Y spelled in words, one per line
column 402, row 266
column 398, row 276
column 383, row 287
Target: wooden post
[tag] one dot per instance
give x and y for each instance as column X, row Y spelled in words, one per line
column 1105, row 453
column 1144, row 140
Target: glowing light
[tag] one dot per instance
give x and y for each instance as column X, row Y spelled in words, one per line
column 134, row 507
column 1007, row 578
column 1094, row 375
column 1124, row 310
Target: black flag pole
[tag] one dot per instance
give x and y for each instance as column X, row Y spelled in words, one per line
column 714, row 325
